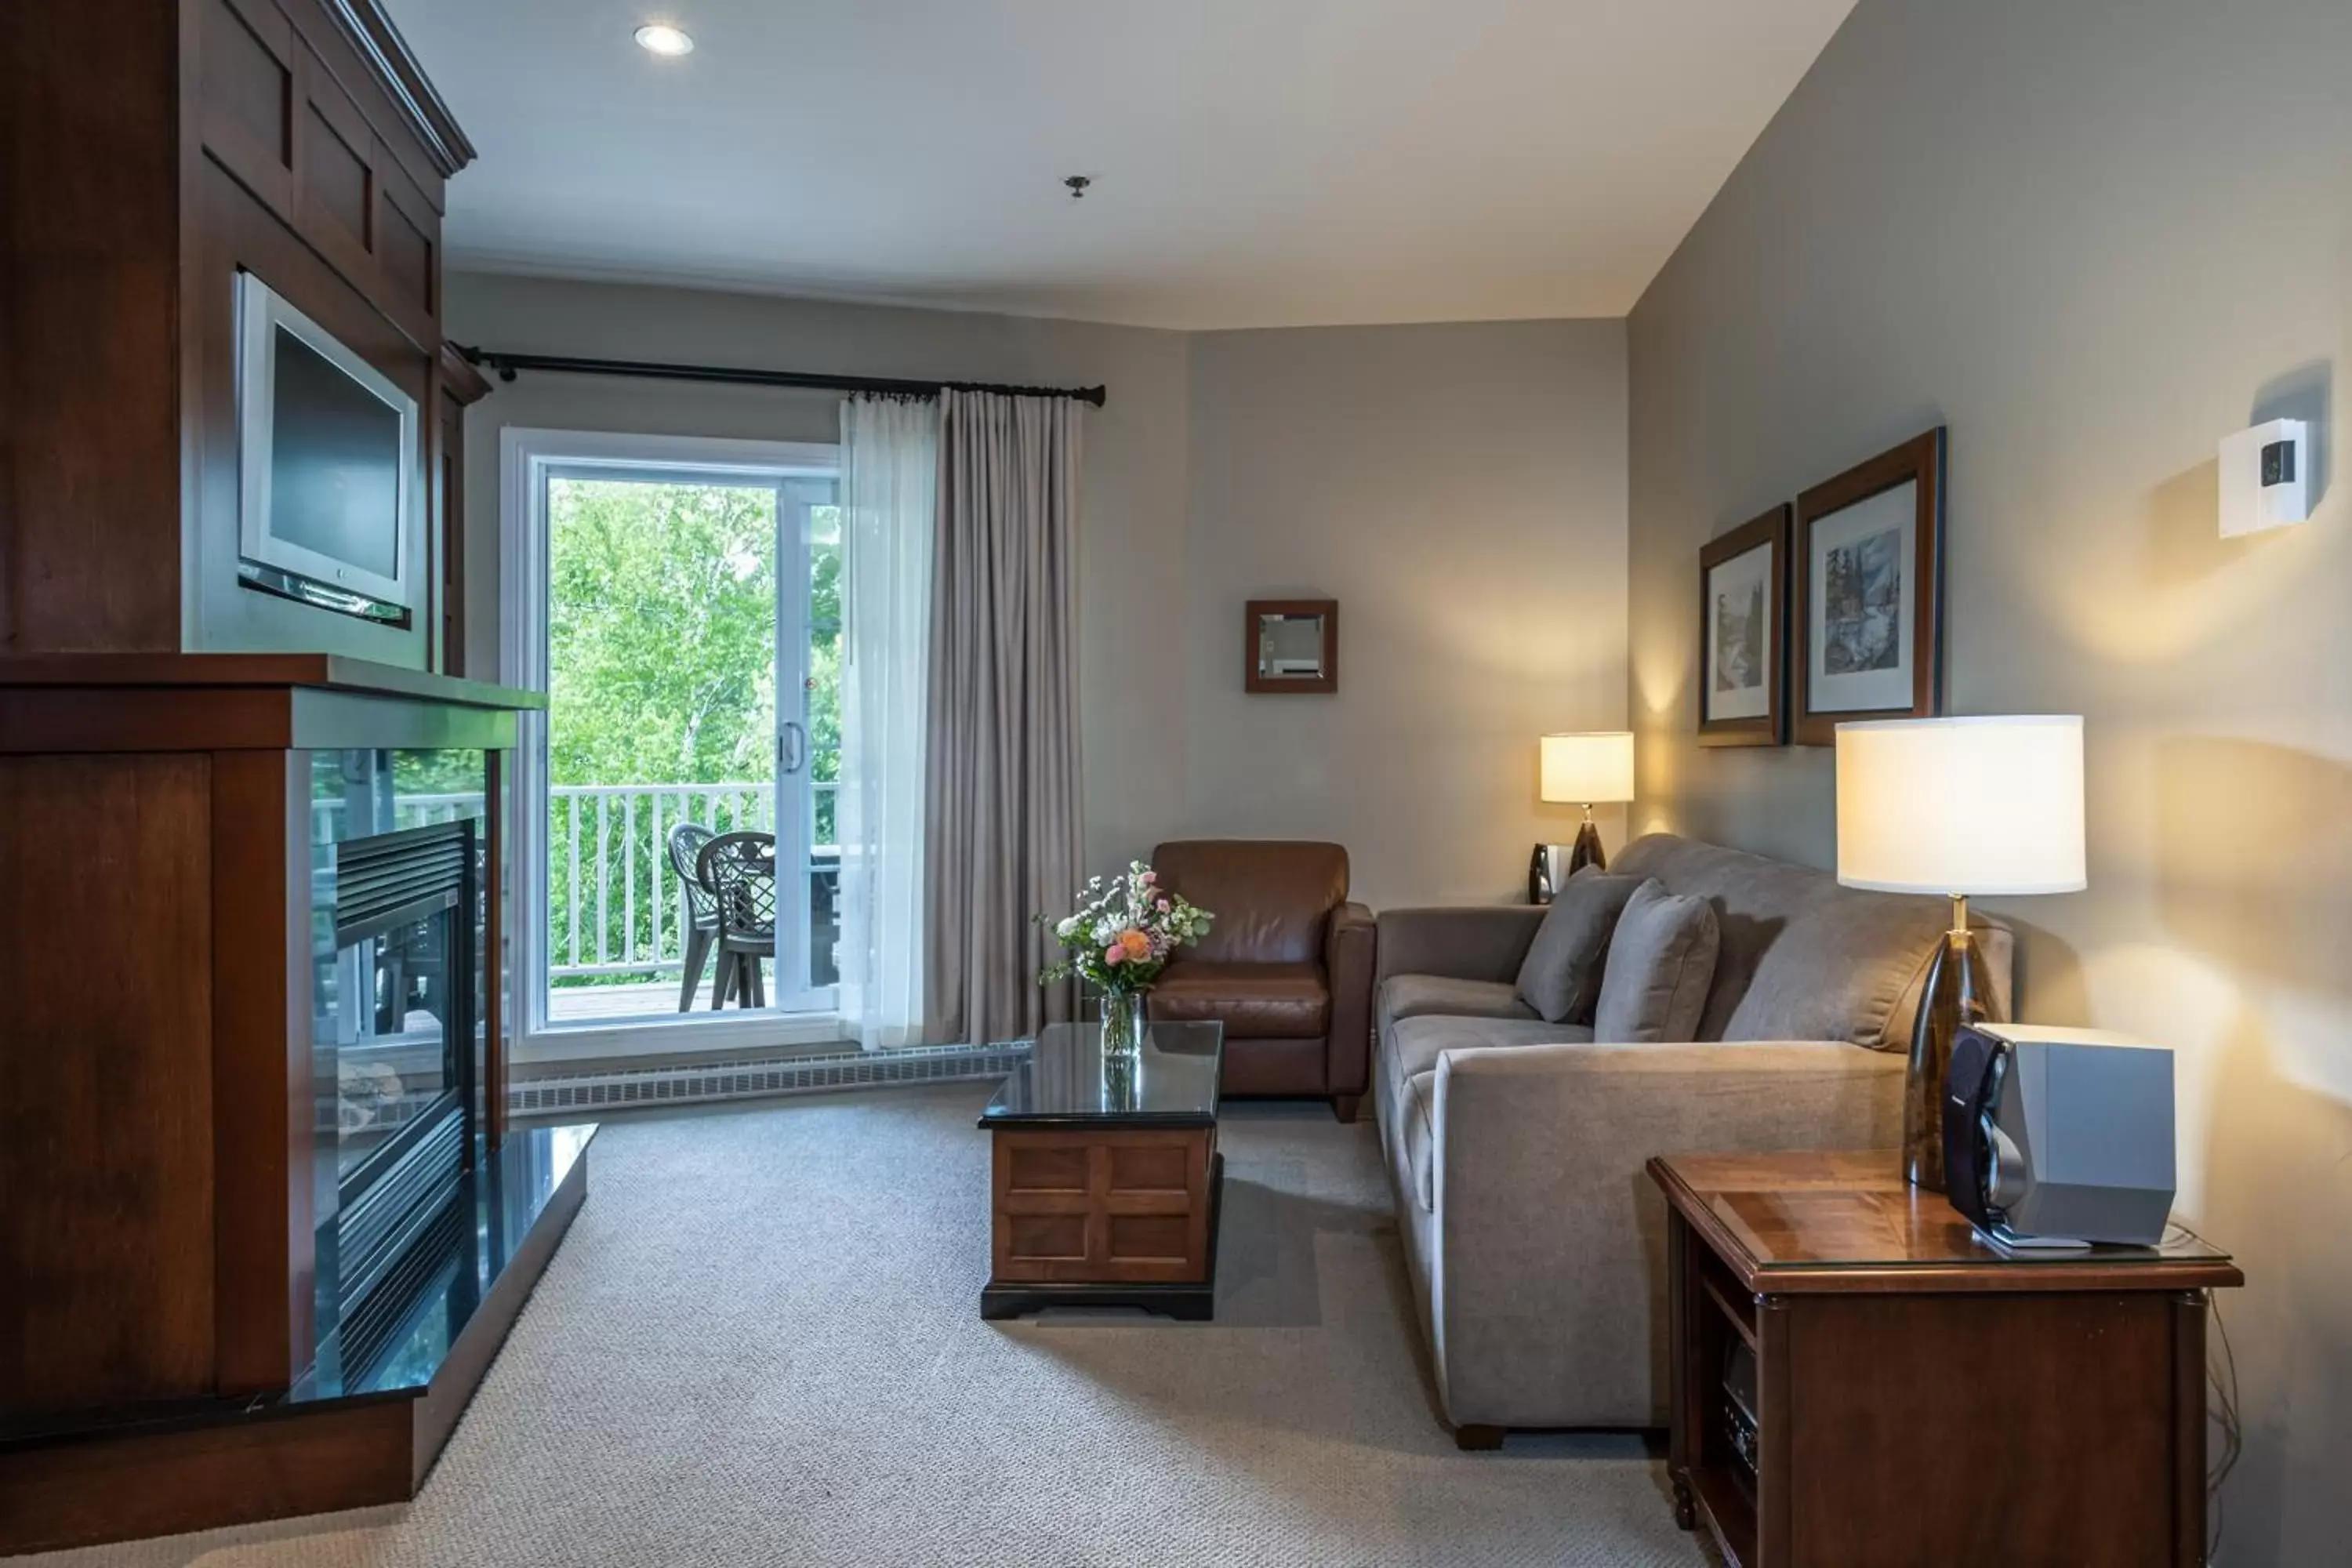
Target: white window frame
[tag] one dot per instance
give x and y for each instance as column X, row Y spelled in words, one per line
column 525, row 457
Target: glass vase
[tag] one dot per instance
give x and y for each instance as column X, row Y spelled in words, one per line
column 1122, row 1022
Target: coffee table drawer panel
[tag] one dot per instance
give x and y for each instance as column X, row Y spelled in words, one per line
column 1056, row 1167
column 1153, row 1167
column 1045, row 1237
column 1151, row 1238
column 1107, row 1205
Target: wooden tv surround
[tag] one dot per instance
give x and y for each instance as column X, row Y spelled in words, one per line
column 171, row 1356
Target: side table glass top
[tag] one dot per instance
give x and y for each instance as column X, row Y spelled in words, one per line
column 1814, row 1213
column 1170, row 1082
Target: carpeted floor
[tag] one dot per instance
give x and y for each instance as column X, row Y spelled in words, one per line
column 762, row 1344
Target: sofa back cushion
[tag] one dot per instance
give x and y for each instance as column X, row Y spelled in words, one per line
column 1801, row 958
column 1560, row 977
column 1661, row 961
column 1272, row 899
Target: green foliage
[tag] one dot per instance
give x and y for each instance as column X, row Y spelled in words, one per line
column 438, row 773
column 660, row 645
column 661, row 663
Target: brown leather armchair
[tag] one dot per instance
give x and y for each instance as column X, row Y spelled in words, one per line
column 1287, row 966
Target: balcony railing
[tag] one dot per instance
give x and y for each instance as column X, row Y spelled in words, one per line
column 612, row 898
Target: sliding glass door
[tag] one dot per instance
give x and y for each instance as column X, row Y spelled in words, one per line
column 684, row 622
column 808, row 738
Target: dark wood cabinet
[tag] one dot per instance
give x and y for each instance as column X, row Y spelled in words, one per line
column 236, row 1280
column 157, row 148
column 457, row 388
column 1916, row 1396
column 187, row 1054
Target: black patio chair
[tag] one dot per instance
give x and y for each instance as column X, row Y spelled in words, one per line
column 739, row 869
column 697, row 903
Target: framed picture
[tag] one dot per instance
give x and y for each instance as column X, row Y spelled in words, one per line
column 1743, row 608
column 1291, row 647
column 1870, row 592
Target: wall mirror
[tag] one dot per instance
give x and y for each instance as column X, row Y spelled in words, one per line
column 1291, row 646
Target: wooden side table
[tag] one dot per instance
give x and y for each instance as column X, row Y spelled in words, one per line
column 1920, row 1398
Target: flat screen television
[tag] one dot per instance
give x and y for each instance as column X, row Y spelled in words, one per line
column 329, row 505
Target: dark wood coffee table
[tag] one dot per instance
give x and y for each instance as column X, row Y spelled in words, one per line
column 1106, row 1175
column 1923, row 1397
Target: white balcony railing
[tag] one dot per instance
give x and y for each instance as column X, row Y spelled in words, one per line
column 613, row 901
column 611, row 895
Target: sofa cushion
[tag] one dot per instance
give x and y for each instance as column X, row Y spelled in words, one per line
column 1560, row 977
column 1253, row 1001
column 1414, row 1045
column 1405, row 997
column 1661, row 961
column 1411, row 1061
column 1799, row 957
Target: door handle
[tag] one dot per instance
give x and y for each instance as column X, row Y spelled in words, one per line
column 795, row 748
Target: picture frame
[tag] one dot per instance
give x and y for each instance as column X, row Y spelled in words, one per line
column 1290, row 648
column 1743, row 634
column 1868, row 605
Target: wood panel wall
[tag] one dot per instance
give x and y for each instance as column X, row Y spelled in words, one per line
column 89, row 225
column 107, row 1200
column 153, row 147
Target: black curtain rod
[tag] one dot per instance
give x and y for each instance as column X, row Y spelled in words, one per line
column 506, row 364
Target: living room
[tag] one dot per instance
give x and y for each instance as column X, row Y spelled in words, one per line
column 1222, row 327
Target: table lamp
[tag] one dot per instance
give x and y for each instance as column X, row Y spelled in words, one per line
column 1587, row 770
column 1957, row 807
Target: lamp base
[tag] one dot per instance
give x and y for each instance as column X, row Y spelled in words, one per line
column 1958, row 991
column 1588, row 851
column 1553, row 864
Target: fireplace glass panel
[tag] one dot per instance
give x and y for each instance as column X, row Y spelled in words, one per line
column 392, row 1039
column 399, row 1001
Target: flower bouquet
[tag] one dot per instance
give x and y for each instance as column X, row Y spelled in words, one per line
column 1122, row 937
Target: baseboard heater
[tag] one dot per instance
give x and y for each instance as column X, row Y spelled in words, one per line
column 689, row 1082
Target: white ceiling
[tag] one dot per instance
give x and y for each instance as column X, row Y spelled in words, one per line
column 1257, row 162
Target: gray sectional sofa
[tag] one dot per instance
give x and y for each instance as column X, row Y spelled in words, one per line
column 1515, row 1146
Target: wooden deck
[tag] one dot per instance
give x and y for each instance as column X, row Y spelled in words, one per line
column 578, row 1003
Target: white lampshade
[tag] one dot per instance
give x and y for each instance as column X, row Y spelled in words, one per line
column 1590, row 768
column 1961, row 806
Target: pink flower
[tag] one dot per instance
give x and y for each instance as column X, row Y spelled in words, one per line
column 1165, row 906
column 1114, row 954
column 1150, row 878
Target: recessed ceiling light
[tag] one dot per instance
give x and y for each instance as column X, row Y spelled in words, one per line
column 662, row 38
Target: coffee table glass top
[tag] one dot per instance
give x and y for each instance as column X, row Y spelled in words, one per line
column 1170, row 1082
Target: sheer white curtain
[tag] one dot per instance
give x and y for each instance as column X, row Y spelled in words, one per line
column 889, row 504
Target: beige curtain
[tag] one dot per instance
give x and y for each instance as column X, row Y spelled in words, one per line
column 1001, row 808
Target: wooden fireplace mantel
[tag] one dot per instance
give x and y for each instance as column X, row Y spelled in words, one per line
column 236, row 702
column 316, row 671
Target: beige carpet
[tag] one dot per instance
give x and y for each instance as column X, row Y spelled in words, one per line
column 761, row 1344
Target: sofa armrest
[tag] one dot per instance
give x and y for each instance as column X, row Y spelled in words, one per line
column 1551, row 1237
column 1349, row 958
column 1479, row 942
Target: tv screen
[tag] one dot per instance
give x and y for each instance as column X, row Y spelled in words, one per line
column 334, row 462
column 331, row 472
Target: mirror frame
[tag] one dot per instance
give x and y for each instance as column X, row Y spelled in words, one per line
column 1276, row 686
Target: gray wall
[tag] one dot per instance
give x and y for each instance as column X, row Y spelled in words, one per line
column 1460, row 490
column 2092, row 238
